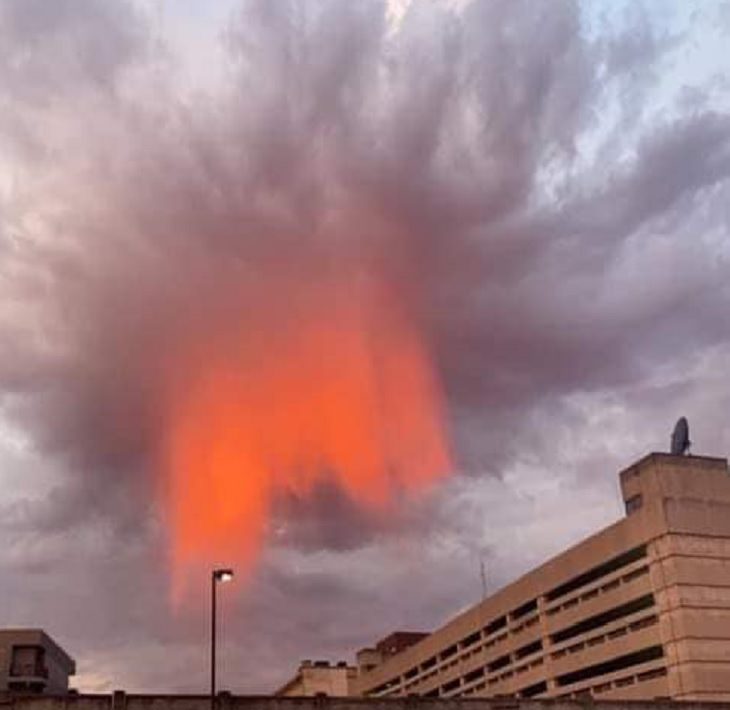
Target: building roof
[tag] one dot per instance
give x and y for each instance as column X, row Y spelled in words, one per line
column 398, row 641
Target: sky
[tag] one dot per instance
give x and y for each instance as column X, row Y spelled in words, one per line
column 491, row 234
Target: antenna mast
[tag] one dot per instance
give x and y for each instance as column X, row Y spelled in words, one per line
column 483, row 573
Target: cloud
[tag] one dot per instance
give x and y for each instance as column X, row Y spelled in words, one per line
column 527, row 197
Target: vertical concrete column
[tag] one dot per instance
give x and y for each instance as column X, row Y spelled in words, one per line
column 545, row 636
column 658, row 554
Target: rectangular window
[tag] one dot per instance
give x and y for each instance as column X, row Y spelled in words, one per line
column 471, row 639
column 532, row 690
column 428, row 663
column 524, row 609
column 611, row 666
column 474, row 675
column 498, row 663
column 496, row 625
column 447, row 653
column 634, row 503
column 451, row 685
column 605, row 617
column 528, row 649
column 597, row 572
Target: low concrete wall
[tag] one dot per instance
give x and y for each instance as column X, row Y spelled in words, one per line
column 123, row 701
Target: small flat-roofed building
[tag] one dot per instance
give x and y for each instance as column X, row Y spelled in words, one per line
column 389, row 646
column 397, row 642
column 637, row 611
column 31, row 661
column 319, row 678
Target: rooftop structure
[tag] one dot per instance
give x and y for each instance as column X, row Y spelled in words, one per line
column 398, row 641
column 31, row 661
column 391, row 645
column 320, row 678
column 637, row 611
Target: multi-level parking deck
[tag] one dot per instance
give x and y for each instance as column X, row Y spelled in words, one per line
column 639, row 610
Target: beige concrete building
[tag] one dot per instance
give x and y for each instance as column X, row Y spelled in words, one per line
column 638, row 611
column 320, row 678
column 31, row 661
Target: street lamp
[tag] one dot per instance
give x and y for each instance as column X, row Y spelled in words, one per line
column 217, row 575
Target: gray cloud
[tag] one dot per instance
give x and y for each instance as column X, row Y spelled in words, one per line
column 562, row 252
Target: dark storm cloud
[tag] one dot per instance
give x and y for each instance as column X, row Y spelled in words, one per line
column 492, row 165
column 326, row 519
column 330, row 121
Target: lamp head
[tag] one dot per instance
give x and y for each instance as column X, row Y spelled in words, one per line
column 222, row 575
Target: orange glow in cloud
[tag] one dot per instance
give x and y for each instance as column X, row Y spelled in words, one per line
column 343, row 389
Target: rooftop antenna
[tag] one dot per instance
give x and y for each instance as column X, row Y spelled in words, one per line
column 483, row 572
column 680, row 438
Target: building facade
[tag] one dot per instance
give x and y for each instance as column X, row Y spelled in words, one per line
column 640, row 610
column 31, row 661
column 320, row 678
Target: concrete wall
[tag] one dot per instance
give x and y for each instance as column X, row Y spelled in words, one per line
column 319, row 679
column 200, row 702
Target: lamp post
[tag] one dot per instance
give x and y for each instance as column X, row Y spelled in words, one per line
column 217, row 575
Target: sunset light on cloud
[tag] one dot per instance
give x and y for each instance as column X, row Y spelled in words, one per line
column 342, row 388
column 348, row 295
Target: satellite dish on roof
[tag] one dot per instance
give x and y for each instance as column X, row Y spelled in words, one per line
column 680, row 438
